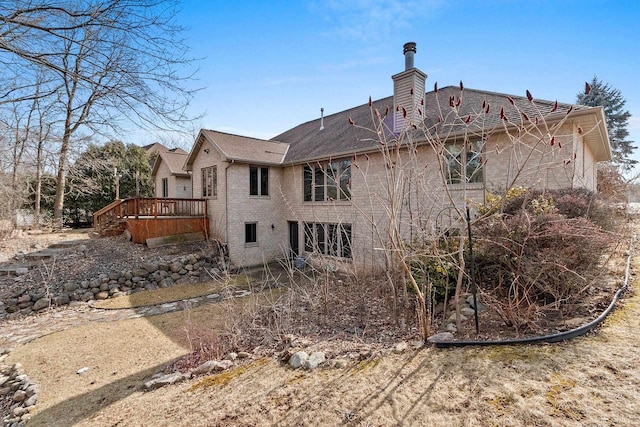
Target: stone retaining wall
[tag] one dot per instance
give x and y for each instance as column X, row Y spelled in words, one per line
column 148, row 276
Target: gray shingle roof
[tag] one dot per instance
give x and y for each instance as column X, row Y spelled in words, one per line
column 239, row 148
column 174, row 159
column 308, row 142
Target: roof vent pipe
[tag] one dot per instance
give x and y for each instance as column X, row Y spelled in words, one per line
column 321, row 118
column 409, row 50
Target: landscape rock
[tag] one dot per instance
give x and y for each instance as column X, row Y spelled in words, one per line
column 401, row 347
column 139, row 272
column 452, row 318
column 467, row 311
column 450, row 327
column 41, row 304
column 481, row 307
column 31, row 401
column 19, row 396
column 164, row 380
column 314, row 360
column 87, row 296
column 150, row 267
column 19, row 411
column 70, row 286
column 298, row 359
column 442, row 336
column 224, row 365
column 205, row 368
column 102, row 295
column 62, row 299
column 24, row 298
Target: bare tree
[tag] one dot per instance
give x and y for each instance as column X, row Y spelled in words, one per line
column 108, row 64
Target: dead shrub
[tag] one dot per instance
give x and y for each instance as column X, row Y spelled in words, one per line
column 529, row 260
column 611, row 184
column 569, row 202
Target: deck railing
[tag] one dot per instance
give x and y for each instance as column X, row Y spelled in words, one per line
column 149, row 207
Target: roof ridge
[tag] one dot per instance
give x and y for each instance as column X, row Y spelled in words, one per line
column 242, row 136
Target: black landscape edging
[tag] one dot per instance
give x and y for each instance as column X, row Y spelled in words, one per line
column 573, row 333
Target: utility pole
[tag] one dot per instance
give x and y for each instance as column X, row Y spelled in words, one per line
column 117, row 178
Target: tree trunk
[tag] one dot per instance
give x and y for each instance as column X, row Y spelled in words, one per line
column 58, row 203
column 38, row 190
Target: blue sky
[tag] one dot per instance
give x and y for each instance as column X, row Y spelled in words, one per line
column 268, row 66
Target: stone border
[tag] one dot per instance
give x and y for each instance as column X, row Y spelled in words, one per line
column 17, row 388
column 149, row 276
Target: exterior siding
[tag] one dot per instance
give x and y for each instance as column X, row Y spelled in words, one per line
column 162, row 172
column 427, row 205
column 531, row 163
column 265, row 211
column 179, row 187
column 182, row 188
column 216, row 205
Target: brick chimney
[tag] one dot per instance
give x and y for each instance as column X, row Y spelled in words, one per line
column 411, row 79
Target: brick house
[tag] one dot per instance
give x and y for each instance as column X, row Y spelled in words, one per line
column 169, row 179
column 324, row 188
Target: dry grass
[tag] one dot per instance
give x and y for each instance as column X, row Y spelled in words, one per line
column 589, row 381
column 172, row 294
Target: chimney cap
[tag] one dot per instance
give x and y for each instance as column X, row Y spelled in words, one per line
column 409, row 46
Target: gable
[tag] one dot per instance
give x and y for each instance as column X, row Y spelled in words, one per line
column 239, row 148
column 174, row 160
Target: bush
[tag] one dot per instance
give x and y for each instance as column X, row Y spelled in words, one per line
column 569, row 202
column 434, row 266
column 542, row 250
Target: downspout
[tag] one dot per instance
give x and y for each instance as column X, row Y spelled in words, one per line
column 226, row 204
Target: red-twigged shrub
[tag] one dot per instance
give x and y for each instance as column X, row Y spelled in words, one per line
column 528, row 261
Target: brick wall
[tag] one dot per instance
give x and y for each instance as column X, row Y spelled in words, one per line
column 421, row 205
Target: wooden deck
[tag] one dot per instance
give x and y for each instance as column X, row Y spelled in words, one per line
column 148, row 218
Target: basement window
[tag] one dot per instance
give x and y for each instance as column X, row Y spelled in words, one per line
column 251, row 233
column 328, row 239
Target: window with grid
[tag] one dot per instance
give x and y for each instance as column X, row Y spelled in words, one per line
column 327, row 181
column 328, row 239
column 210, row 181
column 258, row 181
column 463, row 163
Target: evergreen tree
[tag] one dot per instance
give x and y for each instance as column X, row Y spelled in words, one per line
column 599, row 93
column 91, row 184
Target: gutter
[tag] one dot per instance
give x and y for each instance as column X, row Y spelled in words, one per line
column 226, row 202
